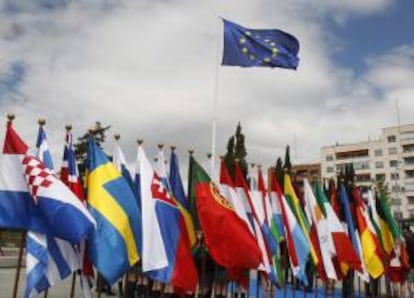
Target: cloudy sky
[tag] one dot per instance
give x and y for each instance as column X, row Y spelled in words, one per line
column 149, row 69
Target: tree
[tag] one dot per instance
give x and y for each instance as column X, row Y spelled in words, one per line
column 81, row 146
column 236, row 150
column 287, row 165
column 279, row 172
column 229, row 157
column 240, row 152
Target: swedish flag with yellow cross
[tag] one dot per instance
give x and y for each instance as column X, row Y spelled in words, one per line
column 113, row 246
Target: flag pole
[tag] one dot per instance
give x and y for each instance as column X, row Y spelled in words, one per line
column 10, row 118
column 215, row 103
column 19, row 263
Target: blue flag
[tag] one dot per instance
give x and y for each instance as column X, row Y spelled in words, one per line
column 113, row 246
column 259, row 47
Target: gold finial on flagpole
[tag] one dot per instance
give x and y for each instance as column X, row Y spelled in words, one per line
column 10, row 117
column 117, row 136
column 41, row 121
column 68, row 127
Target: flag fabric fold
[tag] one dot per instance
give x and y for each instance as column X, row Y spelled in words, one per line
column 243, row 191
column 227, row 237
column 180, row 271
column 344, row 250
column 69, row 174
column 369, row 242
column 297, row 244
column 320, row 223
column 112, row 247
column 49, row 259
column 259, row 47
column 32, row 198
column 177, row 191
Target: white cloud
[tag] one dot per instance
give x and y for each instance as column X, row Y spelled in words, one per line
column 148, row 69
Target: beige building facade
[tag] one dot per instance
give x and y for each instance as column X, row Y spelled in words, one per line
column 389, row 158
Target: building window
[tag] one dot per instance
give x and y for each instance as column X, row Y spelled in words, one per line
column 392, row 139
column 411, row 214
column 409, row 161
column 329, row 169
column 393, row 163
column 363, row 178
column 378, row 152
column 395, row 176
column 361, row 165
column 396, row 188
column 398, row 214
column 380, row 177
column 379, row 164
column 329, row 158
column 409, row 174
column 410, row 200
column 392, row 150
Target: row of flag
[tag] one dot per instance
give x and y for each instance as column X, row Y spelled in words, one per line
column 122, row 217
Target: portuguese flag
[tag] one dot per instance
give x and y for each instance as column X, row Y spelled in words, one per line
column 227, row 237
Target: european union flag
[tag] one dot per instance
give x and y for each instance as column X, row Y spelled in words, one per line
column 259, row 47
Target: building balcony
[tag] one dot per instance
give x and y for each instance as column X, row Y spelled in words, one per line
column 409, row 153
column 407, row 141
column 408, row 166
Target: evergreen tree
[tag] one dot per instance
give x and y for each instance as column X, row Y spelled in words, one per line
column 236, row 149
column 98, row 132
column 287, row 165
column 229, row 157
column 240, row 152
column 279, row 172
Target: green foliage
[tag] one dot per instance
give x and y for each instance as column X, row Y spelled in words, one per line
column 236, row 150
column 287, row 165
column 98, row 132
column 279, row 172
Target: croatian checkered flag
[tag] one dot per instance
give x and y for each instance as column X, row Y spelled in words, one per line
column 65, row 215
column 60, row 211
column 49, row 259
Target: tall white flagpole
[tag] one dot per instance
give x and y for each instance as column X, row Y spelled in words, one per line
column 215, row 101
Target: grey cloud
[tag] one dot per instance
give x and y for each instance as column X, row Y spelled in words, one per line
column 148, row 69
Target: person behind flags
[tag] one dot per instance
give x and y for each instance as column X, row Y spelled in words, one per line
column 69, row 174
column 49, row 259
column 112, row 248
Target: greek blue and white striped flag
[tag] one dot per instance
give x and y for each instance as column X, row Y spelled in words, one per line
column 48, row 259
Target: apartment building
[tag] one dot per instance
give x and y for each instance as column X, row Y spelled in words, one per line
column 389, row 158
column 308, row 171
